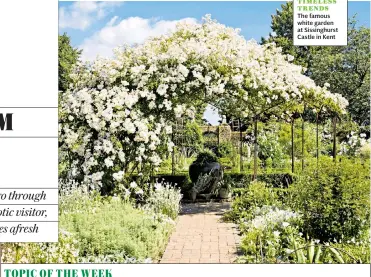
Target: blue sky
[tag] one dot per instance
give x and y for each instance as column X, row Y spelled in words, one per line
column 98, row 27
column 252, row 17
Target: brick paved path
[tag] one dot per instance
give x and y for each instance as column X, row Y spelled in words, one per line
column 201, row 237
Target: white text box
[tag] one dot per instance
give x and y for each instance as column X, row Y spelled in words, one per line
column 28, row 196
column 29, row 163
column 320, row 22
column 32, row 122
column 28, row 213
column 36, row 232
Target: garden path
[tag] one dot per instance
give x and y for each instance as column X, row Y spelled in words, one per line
column 201, row 237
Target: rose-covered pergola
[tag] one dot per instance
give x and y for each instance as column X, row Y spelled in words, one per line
column 117, row 114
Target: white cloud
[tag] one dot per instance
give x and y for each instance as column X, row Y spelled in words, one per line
column 80, row 15
column 132, row 30
column 112, row 21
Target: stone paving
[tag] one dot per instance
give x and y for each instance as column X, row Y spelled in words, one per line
column 201, row 237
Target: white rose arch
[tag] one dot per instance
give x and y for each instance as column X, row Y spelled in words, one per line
column 118, row 112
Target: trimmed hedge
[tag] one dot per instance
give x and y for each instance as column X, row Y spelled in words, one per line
column 239, row 180
column 282, row 194
column 276, row 180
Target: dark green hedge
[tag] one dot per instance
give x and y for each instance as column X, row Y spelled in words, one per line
column 239, row 180
column 276, row 180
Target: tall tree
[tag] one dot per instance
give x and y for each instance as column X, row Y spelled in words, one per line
column 67, row 58
column 345, row 68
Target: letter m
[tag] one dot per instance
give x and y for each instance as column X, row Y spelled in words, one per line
column 6, row 122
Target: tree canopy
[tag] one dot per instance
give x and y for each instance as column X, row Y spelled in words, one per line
column 67, row 58
column 344, row 68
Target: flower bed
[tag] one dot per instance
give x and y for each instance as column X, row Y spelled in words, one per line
column 323, row 217
column 97, row 229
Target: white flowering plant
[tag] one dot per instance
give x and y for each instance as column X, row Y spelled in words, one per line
column 270, row 218
column 267, row 236
column 77, row 197
column 270, row 150
column 164, row 199
column 122, row 231
column 115, row 258
column 131, row 191
column 355, row 145
column 64, row 251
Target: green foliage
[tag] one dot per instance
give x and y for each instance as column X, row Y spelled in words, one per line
column 226, row 184
column 269, row 163
column 323, row 217
column 112, row 229
column 270, row 148
column 230, row 183
column 284, row 139
column 119, row 257
column 275, row 146
column 257, row 249
column 227, row 162
column 335, row 200
column 206, row 156
column 272, row 179
column 346, row 69
column 191, row 139
column 259, row 163
column 166, row 165
column 356, row 251
column 210, row 140
column 256, row 195
column 345, row 127
column 116, row 226
column 225, row 149
column 182, row 163
column 67, row 58
column 365, row 151
column 312, row 253
column 238, row 191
